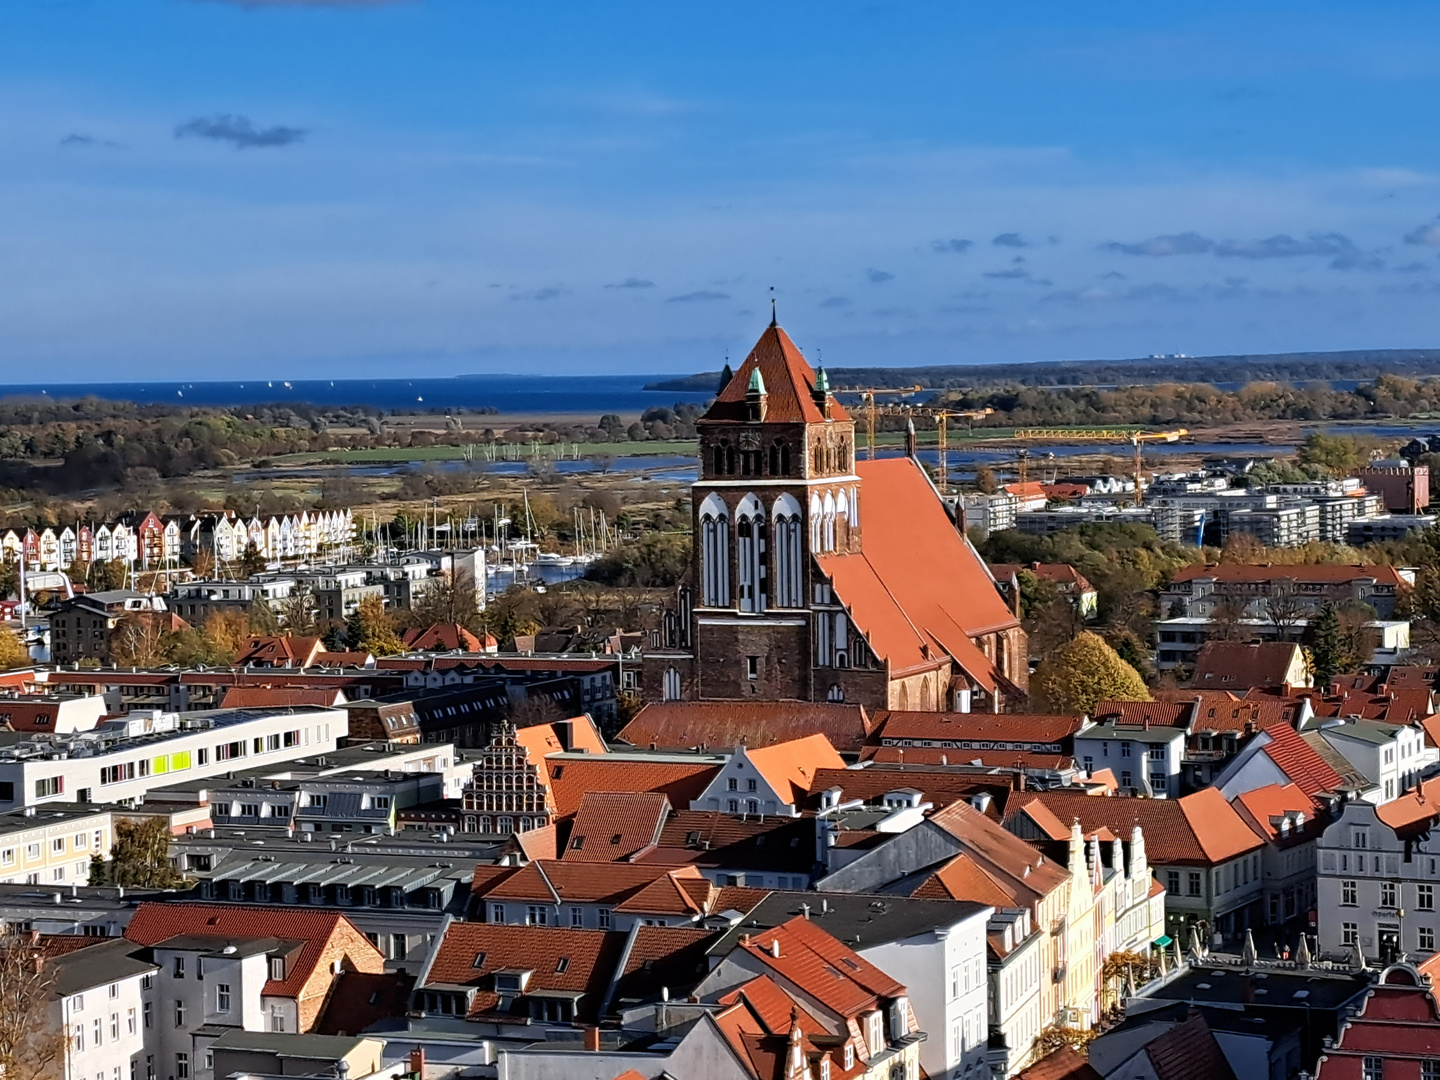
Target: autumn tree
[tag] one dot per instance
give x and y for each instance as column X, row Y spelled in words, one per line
column 261, row 617
column 13, row 653
column 138, row 640
column 1285, row 608
column 448, row 599
column 371, row 629
column 251, row 561
column 1339, row 640
column 32, row 1044
column 1083, row 672
column 1227, row 621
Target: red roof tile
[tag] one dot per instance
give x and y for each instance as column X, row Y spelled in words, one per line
column 983, row 727
column 1061, row 1064
column 1240, row 665
column 154, row 923
column 1316, row 573
column 1298, row 761
column 613, row 826
column 1188, row 1051
column 830, row 972
column 789, row 385
column 441, row 637
column 282, row 651
column 680, row 781
column 557, row 881
column 680, row 725
column 252, row 697
column 912, row 616
column 939, row 785
column 359, row 999
column 789, row 767
column 575, row 961
column 1144, row 713
column 672, row 957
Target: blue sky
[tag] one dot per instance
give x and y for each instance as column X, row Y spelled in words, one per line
column 216, row 189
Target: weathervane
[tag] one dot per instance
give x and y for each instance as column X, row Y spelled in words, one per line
column 774, row 321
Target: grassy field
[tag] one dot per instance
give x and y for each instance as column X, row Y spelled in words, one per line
column 392, row 455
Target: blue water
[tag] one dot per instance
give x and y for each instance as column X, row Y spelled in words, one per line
column 587, row 394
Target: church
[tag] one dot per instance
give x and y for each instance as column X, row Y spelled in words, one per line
column 818, row 577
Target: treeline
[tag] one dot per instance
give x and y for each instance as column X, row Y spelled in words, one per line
column 1236, row 368
column 1194, row 404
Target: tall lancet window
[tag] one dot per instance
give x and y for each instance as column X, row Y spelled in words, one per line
column 817, row 524
column 787, row 516
column 750, row 537
column 827, row 540
column 714, row 553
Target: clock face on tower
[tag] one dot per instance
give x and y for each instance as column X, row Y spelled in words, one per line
column 749, row 440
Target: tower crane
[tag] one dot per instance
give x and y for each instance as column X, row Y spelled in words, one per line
column 1137, row 439
column 942, row 417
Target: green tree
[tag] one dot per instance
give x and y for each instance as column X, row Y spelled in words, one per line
column 448, row 599
column 13, row 653
column 1083, row 672
column 1338, row 641
column 251, row 561
column 140, row 856
column 1339, row 455
column 371, row 629
column 262, row 618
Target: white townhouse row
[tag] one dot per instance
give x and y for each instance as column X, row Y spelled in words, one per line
column 150, row 540
column 120, row 760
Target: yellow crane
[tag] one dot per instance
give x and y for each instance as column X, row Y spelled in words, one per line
column 1137, row 439
column 942, row 417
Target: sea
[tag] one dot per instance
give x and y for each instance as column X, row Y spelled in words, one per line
column 513, row 394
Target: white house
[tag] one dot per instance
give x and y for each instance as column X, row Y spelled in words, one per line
column 1378, row 868
column 1390, row 756
column 1015, row 977
column 1142, row 756
column 769, row 780
column 103, row 999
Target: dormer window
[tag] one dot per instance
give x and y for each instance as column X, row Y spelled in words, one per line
column 512, row 981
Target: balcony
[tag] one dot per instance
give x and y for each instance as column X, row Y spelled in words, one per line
column 1203, row 757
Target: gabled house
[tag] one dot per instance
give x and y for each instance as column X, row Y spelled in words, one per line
column 1395, row 1033
column 799, row 967
column 280, row 652
column 769, row 780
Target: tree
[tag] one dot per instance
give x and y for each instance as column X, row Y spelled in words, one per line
column 1338, row 641
column 140, row 856
column 261, row 617
column 371, row 629
column 448, row 599
column 13, row 653
column 1227, row 621
column 138, row 640
column 985, row 480
column 1338, row 455
column 31, row 1044
column 297, row 613
column 203, row 564
column 251, row 561
column 1285, row 608
column 1084, row 672
column 108, row 575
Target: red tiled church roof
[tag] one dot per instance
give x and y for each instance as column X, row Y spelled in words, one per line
column 789, row 385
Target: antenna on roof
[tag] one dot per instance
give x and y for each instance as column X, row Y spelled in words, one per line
column 774, row 321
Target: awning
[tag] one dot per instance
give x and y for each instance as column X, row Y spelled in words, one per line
column 1164, row 941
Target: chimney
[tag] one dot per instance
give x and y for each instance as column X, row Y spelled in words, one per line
column 592, row 1038
column 910, row 448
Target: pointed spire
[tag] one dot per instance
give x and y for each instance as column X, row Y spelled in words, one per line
column 726, row 375
column 1302, row 952
column 1175, row 948
column 755, row 397
column 757, row 382
column 1248, row 955
column 822, row 382
column 774, row 318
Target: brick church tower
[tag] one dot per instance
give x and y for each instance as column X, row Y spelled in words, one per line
column 785, row 600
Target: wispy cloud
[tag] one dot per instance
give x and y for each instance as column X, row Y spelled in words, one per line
column 76, row 139
column 948, row 246
column 632, row 283
column 1429, row 235
column 549, row 292
column 238, row 131
column 702, row 294
column 1098, row 294
column 1189, row 243
column 836, row 302
column 1010, row 239
column 878, row 277
column 1344, row 253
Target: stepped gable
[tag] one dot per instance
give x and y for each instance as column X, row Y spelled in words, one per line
column 789, row 385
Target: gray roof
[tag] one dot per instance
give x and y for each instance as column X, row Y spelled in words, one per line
column 1352, row 776
column 859, row 920
column 1375, row 732
column 99, row 965
column 332, row 1047
column 1237, row 986
column 323, row 867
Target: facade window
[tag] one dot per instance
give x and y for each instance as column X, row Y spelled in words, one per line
column 603, row 916
column 1387, row 894
column 1172, row 882
column 752, row 667
column 179, row 1013
column 1124, row 749
column 1427, row 939
column 179, row 967
column 182, row 1067
column 714, row 553
column 1349, row 933
column 222, row 997
column 130, row 1021
column 1372, row 1068
column 536, row 915
column 1192, row 885
column 1349, row 894
column 577, row 916
column 497, row 913
column 788, row 562
column 1425, row 897
column 277, row 1018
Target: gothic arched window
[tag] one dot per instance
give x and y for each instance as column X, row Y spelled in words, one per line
column 714, row 553
column 788, row 578
column 827, row 540
column 785, row 459
column 670, row 685
column 750, row 536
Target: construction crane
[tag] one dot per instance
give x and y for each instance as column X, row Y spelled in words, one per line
column 942, row 417
column 1137, row 439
